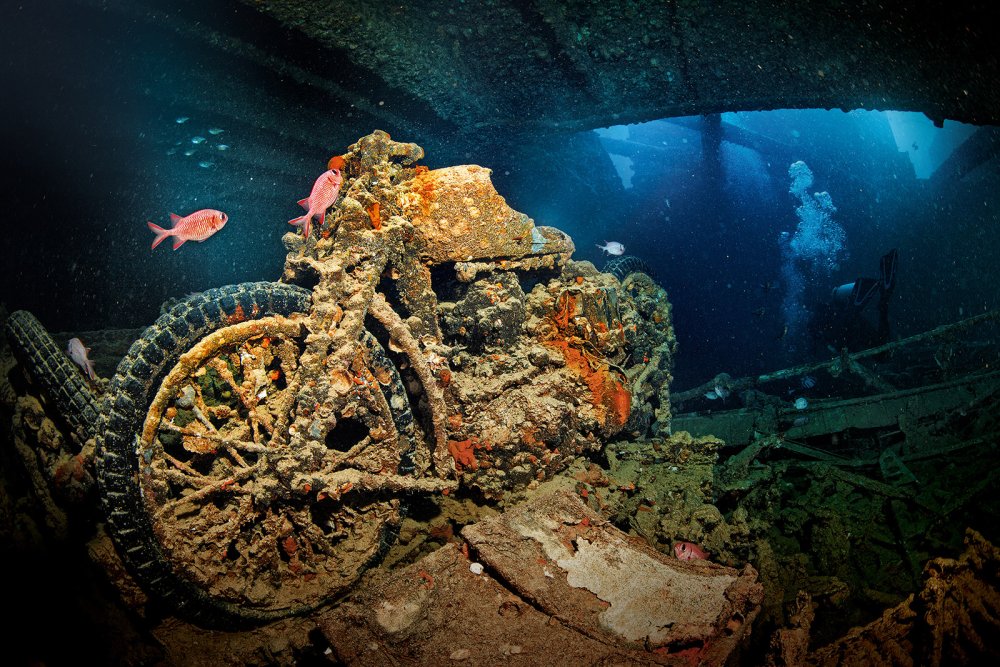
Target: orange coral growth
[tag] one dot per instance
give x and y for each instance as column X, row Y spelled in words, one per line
column 612, row 400
column 420, row 169
column 290, row 545
column 274, row 375
column 336, row 162
column 445, row 377
column 375, row 216
column 463, row 451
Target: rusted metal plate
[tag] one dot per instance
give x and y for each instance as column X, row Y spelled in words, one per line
column 588, row 574
column 736, row 427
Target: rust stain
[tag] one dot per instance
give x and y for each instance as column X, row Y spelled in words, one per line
column 237, row 316
column 565, row 309
column 463, row 451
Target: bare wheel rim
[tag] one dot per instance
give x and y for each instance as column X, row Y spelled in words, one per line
column 235, row 510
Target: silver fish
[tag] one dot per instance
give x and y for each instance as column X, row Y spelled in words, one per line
column 78, row 353
column 612, row 248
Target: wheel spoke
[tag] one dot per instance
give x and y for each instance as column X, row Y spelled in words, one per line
column 229, row 484
column 234, row 443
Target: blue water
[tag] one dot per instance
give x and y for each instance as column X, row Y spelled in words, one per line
column 90, row 126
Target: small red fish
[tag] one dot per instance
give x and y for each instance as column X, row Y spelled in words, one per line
column 689, row 551
column 325, row 191
column 197, row 226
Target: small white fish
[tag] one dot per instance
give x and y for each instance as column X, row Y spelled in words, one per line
column 189, row 152
column 612, row 248
column 197, row 140
column 711, row 395
column 205, row 164
column 721, row 392
column 182, row 119
column 223, row 147
column 801, row 403
column 171, row 151
column 215, row 130
column 78, row 353
column 666, row 200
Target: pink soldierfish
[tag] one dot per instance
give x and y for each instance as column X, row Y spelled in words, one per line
column 197, row 226
column 325, row 191
column 78, row 353
column 613, row 248
column 689, row 551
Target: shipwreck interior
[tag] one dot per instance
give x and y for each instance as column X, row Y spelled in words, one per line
column 450, row 425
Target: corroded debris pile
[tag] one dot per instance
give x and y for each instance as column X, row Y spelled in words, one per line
column 555, row 584
column 663, row 489
column 952, row 620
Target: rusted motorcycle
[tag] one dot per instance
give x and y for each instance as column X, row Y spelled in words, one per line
column 257, row 444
